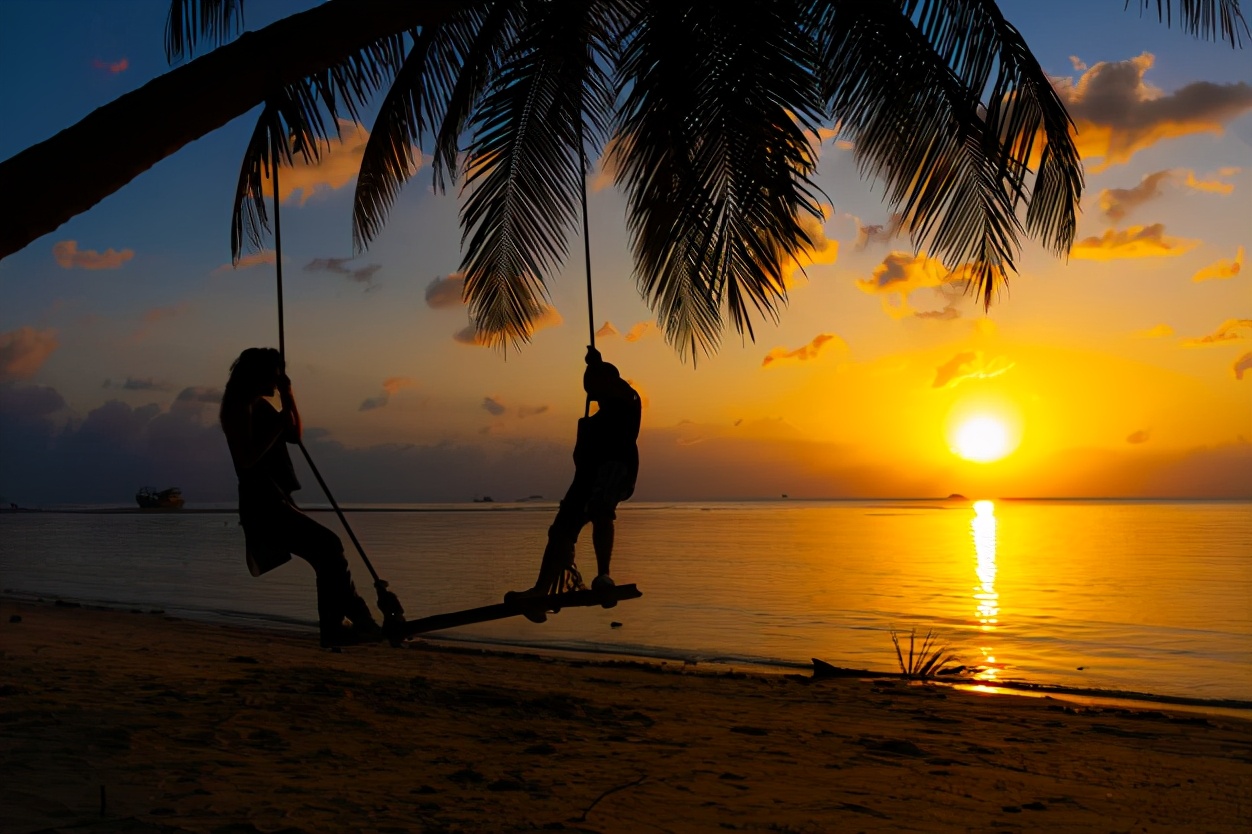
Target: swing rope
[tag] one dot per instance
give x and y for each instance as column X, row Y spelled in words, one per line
column 591, row 320
column 388, row 603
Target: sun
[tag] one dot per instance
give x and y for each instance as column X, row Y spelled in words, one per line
column 982, row 439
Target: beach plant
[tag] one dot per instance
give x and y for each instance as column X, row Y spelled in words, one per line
column 925, row 661
column 708, row 114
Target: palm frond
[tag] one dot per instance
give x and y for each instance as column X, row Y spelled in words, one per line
column 713, row 153
column 1207, row 19
column 189, row 20
column 524, row 172
column 249, row 220
column 908, row 83
column 300, row 119
column 441, row 79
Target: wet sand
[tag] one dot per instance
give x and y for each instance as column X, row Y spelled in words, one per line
column 177, row 726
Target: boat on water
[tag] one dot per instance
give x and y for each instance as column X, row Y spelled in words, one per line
column 165, row 499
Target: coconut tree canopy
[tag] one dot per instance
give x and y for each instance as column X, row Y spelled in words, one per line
column 709, row 114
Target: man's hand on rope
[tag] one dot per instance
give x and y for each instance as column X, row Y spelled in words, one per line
column 593, row 356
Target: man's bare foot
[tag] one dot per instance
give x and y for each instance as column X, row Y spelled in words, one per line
column 531, row 602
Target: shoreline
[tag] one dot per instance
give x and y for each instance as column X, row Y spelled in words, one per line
column 547, row 503
column 1232, row 707
column 137, row 722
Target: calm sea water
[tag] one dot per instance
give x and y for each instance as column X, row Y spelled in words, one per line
column 1149, row 597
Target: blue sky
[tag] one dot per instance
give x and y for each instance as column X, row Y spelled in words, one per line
column 1116, row 371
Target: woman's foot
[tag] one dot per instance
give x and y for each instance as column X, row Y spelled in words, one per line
column 350, row 635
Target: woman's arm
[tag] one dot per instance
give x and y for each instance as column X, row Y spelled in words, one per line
column 294, row 429
column 245, row 449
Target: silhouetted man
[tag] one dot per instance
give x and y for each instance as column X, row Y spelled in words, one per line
column 606, row 464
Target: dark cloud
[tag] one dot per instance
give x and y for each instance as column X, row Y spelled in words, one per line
column 1116, row 203
column 1231, row 330
column 113, row 451
column 493, row 406
column 339, row 266
column 875, row 233
column 140, row 384
column 1141, row 436
column 446, row 293
column 948, row 313
column 1118, row 114
column 1242, row 365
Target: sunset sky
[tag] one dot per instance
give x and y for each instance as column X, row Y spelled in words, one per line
column 1125, row 370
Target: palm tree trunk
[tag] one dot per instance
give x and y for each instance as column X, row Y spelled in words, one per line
column 61, row 177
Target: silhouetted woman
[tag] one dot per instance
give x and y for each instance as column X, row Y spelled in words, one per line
column 274, row 528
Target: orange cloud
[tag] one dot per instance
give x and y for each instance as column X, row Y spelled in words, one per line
column 67, row 254
column 1242, row 365
column 23, row 352
column 640, row 330
column 111, row 66
column 824, row 251
column 1117, row 114
column 446, row 292
column 1221, row 269
column 339, row 165
column 149, row 318
column 968, row 365
column 1231, row 330
column 1141, row 436
column 1215, row 186
column 607, row 330
column 1133, row 242
column 803, row 353
column 1159, row 331
column 900, row 274
column 265, row 256
column 391, row 385
column 605, row 174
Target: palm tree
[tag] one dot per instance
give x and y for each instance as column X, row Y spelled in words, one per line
column 706, row 110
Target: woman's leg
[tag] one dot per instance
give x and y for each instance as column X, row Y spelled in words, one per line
column 323, row 550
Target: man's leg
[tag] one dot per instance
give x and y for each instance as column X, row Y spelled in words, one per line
column 602, row 509
column 602, row 540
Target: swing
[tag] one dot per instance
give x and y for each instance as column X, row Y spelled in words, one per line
column 395, row 627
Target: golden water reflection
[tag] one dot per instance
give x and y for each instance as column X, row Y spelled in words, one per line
column 986, row 598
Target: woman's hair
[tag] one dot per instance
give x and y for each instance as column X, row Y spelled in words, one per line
column 251, row 375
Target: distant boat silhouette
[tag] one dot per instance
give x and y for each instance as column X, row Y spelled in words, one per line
column 166, row 499
column 486, row 499
column 956, row 496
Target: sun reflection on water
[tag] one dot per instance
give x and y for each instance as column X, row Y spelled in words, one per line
column 986, row 598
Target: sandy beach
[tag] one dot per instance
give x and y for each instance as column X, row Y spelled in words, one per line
column 136, row 722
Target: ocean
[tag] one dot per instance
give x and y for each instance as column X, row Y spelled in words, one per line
column 1125, row 596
